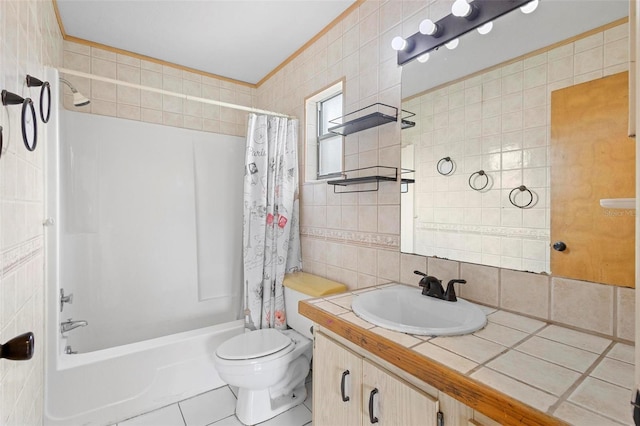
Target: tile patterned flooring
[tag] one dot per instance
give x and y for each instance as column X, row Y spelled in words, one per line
column 217, row 408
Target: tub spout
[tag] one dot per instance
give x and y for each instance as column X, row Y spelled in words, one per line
column 69, row 325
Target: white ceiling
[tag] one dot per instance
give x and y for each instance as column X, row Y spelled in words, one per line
column 239, row 39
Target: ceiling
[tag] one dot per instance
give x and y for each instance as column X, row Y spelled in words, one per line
column 242, row 40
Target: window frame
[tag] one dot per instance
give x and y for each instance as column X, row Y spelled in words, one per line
column 323, row 135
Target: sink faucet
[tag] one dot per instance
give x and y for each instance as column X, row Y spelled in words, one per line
column 432, row 287
column 69, row 325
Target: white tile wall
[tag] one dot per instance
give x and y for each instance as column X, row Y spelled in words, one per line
column 29, row 40
column 141, row 105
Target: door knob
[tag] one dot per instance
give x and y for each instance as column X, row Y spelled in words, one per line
column 20, row 348
column 559, row 246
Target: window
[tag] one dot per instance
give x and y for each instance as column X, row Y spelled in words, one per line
column 329, row 144
column 323, row 148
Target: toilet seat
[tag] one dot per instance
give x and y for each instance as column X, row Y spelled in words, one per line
column 255, row 344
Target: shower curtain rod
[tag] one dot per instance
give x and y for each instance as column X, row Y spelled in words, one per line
column 169, row 93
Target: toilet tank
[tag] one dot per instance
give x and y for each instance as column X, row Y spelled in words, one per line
column 301, row 286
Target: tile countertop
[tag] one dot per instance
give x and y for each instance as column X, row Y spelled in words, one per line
column 570, row 376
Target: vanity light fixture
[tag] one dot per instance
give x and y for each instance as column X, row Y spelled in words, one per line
column 530, row 7
column 452, row 44
column 486, row 28
column 462, row 9
column 465, row 16
column 398, row 43
column 423, row 58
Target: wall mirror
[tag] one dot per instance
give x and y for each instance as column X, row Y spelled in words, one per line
column 490, row 114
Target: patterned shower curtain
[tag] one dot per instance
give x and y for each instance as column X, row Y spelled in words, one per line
column 271, row 230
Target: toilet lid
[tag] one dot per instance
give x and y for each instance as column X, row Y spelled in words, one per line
column 254, row 344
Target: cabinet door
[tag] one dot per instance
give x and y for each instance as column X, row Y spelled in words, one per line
column 337, row 384
column 393, row 401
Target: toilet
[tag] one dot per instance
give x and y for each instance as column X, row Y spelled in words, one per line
column 269, row 366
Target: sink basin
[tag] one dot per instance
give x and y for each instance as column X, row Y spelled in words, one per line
column 403, row 308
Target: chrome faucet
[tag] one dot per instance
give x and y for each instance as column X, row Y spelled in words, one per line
column 69, row 325
column 432, row 287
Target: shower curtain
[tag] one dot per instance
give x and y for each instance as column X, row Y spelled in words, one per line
column 271, row 232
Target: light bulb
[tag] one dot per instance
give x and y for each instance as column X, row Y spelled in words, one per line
column 529, row 7
column 427, row 27
column 486, row 28
column 423, row 58
column 398, row 43
column 452, row 44
column 461, row 8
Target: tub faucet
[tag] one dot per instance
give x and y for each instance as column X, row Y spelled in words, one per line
column 69, row 325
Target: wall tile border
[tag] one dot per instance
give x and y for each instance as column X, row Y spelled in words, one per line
column 11, row 259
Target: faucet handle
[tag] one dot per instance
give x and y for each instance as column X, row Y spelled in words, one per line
column 450, row 294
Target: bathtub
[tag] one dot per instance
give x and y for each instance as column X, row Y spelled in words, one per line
column 119, row 371
column 110, row 385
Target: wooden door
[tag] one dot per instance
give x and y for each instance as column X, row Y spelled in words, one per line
column 592, row 158
column 337, row 372
column 394, row 402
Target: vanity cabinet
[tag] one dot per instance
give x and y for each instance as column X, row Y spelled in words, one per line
column 351, row 390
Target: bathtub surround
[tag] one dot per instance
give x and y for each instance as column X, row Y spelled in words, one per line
column 271, row 233
column 112, row 219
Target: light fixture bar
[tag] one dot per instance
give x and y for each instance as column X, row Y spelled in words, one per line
column 454, row 26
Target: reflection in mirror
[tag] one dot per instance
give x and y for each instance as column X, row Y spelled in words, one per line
column 490, row 112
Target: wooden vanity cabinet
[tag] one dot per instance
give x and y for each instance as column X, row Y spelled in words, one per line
column 346, row 386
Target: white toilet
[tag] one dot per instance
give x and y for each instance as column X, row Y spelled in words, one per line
column 270, row 366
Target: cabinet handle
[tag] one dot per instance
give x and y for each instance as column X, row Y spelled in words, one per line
column 345, row 398
column 372, row 418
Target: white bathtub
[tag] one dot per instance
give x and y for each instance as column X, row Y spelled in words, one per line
column 120, row 371
column 107, row 386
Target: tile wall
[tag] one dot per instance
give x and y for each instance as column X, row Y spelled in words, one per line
column 135, row 104
column 29, row 40
column 498, row 121
column 354, row 238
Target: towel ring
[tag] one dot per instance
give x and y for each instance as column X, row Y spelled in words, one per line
column 479, row 173
column 45, row 95
column 520, row 188
column 444, row 161
column 29, row 123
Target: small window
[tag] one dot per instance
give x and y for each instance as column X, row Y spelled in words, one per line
column 329, row 144
column 324, row 151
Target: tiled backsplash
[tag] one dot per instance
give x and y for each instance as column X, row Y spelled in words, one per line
column 136, row 104
column 597, row 308
column 499, row 122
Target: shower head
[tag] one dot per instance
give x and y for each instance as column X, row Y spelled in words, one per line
column 78, row 98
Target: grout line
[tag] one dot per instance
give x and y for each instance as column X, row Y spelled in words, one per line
column 564, row 397
column 181, row 413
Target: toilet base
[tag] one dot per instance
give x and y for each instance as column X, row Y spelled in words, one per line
column 256, row 406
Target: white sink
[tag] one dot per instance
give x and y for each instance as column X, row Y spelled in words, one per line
column 403, row 308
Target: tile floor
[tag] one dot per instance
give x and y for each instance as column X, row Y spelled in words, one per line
column 216, row 408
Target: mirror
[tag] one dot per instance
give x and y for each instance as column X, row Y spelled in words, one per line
column 489, row 114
